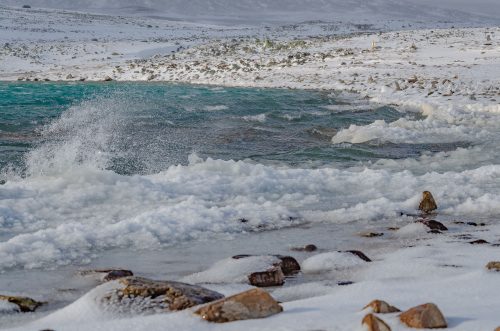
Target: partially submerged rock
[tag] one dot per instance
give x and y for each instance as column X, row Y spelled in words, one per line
column 359, row 254
column 143, row 295
column 433, row 225
column 370, row 234
column 306, row 248
column 107, row 275
column 478, row 242
column 25, row 304
column 288, row 264
column 427, row 204
column 373, row 323
column 493, row 265
column 381, row 307
column 426, row 316
column 271, row 277
column 255, row 303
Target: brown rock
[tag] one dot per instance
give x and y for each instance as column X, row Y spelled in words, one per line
column 288, row 265
column 433, row 225
column 373, row 323
column 159, row 295
column 381, row 307
column 271, row 277
column 360, row 254
column 493, row 265
column 255, row 303
column 427, row 204
column 25, row 304
column 426, row 316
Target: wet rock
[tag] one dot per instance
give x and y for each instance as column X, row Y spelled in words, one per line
column 25, row 304
column 373, row 323
column 345, row 283
column 427, row 204
column 271, row 277
column 142, row 295
column 107, row 275
column 493, row 265
column 360, row 254
column 393, row 228
column 478, row 242
column 433, row 225
column 370, row 234
column 289, row 265
column 426, row 316
column 306, row 248
column 255, row 303
column 381, row 307
column 434, row 232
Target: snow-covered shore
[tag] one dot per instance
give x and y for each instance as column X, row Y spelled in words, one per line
column 449, row 75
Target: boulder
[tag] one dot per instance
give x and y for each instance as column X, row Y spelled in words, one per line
column 255, row 303
column 426, row 316
column 493, row 265
column 143, row 295
column 360, row 254
column 381, row 307
column 427, row 204
column 271, row 277
column 373, row 323
column 25, row 304
column 433, row 225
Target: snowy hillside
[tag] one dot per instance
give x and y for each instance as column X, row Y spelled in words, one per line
column 286, row 10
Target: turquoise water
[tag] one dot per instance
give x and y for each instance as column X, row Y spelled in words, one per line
column 144, row 128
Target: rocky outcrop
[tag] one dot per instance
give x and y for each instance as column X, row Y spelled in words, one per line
column 255, row 303
column 144, row 295
column 427, row 204
column 426, row 316
column 381, row 307
column 25, row 304
column 373, row 323
column 493, row 265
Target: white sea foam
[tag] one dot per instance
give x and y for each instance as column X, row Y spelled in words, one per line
column 255, row 118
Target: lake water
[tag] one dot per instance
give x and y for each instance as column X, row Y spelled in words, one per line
column 166, row 179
